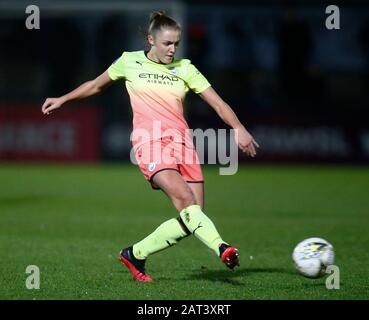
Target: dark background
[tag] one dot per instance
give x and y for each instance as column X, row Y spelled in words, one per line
column 300, row 88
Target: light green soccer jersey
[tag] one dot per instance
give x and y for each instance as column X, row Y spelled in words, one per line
column 157, row 91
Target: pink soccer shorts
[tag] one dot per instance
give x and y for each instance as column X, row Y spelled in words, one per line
column 166, row 154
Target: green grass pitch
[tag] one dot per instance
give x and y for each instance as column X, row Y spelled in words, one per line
column 71, row 221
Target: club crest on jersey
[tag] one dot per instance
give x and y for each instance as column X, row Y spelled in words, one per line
column 152, row 166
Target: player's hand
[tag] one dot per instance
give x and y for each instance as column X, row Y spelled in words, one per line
column 246, row 142
column 51, row 104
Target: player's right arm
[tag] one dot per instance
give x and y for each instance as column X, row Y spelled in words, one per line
column 85, row 90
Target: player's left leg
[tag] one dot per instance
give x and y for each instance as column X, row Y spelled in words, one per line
column 197, row 189
column 191, row 213
column 193, row 176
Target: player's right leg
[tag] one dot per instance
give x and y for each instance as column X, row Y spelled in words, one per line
column 168, row 233
column 167, row 178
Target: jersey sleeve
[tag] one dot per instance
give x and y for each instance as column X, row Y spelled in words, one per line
column 195, row 80
column 117, row 69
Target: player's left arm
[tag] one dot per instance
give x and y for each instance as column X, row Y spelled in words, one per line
column 244, row 139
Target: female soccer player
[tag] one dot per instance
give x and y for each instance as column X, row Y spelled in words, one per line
column 157, row 84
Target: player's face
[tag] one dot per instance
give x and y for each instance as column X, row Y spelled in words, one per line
column 164, row 44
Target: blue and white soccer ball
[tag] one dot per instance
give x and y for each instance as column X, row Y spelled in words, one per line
column 312, row 256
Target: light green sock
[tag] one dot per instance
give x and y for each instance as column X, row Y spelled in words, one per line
column 166, row 235
column 202, row 227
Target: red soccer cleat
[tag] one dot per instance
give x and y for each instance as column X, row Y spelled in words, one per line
column 230, row 256
column 135, row 266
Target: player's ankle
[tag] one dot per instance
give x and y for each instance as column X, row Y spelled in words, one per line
column 222, row 248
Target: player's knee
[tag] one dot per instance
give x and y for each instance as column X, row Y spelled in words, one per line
column 184, row 199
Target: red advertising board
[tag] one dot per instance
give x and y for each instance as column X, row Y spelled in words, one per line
column 70, row 134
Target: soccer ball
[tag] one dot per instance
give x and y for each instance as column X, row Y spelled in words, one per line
column 312, row 256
